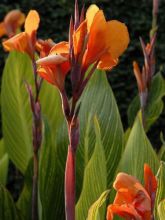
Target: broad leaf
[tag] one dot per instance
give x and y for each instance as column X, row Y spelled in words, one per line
column 16, row 114
column 95, row 181
column 98, row 99
column 93, row 213
column 4, row 161
column 24, row 203
column 8, row 210
column 51, row 178
column 161, row 153
column 138, row 151
column 160, row 194
column 161, row 210
column 154, row 105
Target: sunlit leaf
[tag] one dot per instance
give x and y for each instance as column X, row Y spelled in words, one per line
column 16, row 113
column 138, row 151
column 161, row 210
column 93, row 213
column 94, row 182
column 160, row 194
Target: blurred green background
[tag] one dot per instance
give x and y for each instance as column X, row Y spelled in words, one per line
column 136, row 14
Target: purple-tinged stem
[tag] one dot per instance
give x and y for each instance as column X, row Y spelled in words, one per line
column 35, row 187
column 37, row 138
column 70, row 184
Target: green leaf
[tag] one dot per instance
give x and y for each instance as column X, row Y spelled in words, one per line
column 2, row 148
column 160, row 194
column 4, row 162
column 24, row 203
column 93, row 213
column 155, row 104
column 51, row 178
column 16, row 113
column 51, row 107
column 95, row 181
column 138, row 151
column 161, row 153
column 8, row 210
column 161, row 210
column 98, row 99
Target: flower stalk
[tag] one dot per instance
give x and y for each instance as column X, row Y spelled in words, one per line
column 37, row 138
column 144, row 76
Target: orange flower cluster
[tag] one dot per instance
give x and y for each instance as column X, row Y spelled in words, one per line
column 25, row 41
column 92, row 41
column 133, row 201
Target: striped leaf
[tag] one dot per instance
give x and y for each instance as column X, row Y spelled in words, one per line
column 4, row 162
column 160, row 194
column 93, row 213
column 98, row 99
column 95, row 181
column 161, row 210
column 8, row 210
column 138, row 151
column 16, row 114
column 51, row 178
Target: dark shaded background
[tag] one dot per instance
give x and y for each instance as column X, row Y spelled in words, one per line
column 137, row 14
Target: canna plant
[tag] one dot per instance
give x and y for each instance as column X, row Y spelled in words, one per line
column 77, row 56
column 71, row 148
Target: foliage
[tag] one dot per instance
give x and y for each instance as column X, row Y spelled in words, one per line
column 104, row 148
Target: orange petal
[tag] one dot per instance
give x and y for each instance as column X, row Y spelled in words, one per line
column 126, row 211
column 62, row 47
column 127, row 182
column 106, row 62
column 130, row 191
column 51, row 60
column 44, row 47
column 138, row 76
column 18, row 42
column 90, row 14
column 47, row 74
column 2, row 29
column 150, row 183
column 55, row 74
column 13, row 20
column 97, row 39
column 117, row 38
column 32, row 22
column 65, row 67
column 79, row 38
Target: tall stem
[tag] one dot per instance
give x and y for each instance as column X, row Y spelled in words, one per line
column 35, row 187
column 37, row 138
column 70, row 184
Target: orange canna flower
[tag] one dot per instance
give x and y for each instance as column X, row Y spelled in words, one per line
column 25, row 41
column 55, row 66
column 97, row 40
column 12, row 21
column 133, row 201
column 44, row 47
column 91, row 41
